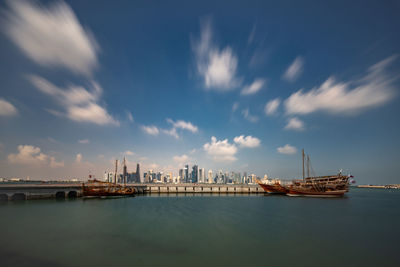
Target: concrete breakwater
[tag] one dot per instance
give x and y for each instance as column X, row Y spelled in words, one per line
column 74, row 190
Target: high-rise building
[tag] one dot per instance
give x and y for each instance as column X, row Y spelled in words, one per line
column 181, row 175
column 124, row 172
column 210, row 177
column 195, row 174
column 108, row 177
column 186, row 177
column 202, row 176
column 137, row 178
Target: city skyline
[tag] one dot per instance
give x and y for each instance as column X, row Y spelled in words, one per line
column 244, row 89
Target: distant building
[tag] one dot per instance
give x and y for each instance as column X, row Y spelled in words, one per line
column 109, row 177
column 202, row 176
column 210, row 177
column 195, row 174
column 181, row 175
column 186, row 176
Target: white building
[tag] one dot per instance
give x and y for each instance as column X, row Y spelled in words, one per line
column 210, row 177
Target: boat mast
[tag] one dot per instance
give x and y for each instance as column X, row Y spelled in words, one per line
column 302, row 153
column 308, row 165
column 115, row 174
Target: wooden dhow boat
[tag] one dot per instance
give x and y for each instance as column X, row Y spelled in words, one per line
column 319, row 186
column 272, row 186
column 96, row 188
column 310, row 186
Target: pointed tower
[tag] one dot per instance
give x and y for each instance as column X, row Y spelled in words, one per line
column 137, row 173
column 124, row 171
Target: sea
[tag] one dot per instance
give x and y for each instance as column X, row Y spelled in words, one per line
column 360, row 229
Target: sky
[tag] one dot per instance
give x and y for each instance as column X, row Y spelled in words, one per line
column 228, row 85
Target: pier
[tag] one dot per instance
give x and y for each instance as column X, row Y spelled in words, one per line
column 73, row 190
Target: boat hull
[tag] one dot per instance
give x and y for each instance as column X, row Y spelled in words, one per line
column 273, row 189
column 301, row 193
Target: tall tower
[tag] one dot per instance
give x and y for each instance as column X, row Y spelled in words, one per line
column 210, row 177
column 186, row 178
column 195, row 174
column 137, row 180
column 125, row 171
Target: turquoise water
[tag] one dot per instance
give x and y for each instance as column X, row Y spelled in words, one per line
column 362, row 229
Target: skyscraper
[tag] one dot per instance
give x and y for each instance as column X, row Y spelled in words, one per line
column 186, row 177
column 137, row 180
column 125, row 172
column 195, row 174
column 210, row 177
column 181, row 175
column 202, row 176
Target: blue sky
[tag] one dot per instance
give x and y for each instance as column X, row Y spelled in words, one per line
column 230, row 85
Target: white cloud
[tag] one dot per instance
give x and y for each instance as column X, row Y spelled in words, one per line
column 295, row 124
column 79, row 104
column 84, row 141
column 221, row 151
column 287, row 149
column 181, row 159
column 180, row 124
column 217, row 67
column 247, row 141
column 294, row 70
column 78, row 158
column 246, row 114
column 129, row 115
column 272, row 106
column 129, row 153
column 56, row 164
column 6, row 108
column 31, row 155
column 171, row 132
column 373, row 90
column 152, row 130
column 253, row 88
column 235, row 106
column 52, row 35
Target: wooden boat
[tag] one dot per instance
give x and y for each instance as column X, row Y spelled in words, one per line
column 95, row 188
column 319, row 186
column 272, row 187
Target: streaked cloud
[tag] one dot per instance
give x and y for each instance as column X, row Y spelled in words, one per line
column 80, row 104
column 372, row 90
column 129, row 116
column 235, row 106
column 151, row 130
column 287, row 150
column 254, row 87
column 294, row 70
column 220, row 151
column 185, row 125
column 172, row 132
column 247, row 141
column 31, row 155
column 295, row 124
column 7, row 109
column 246, row 114
column 84, row 141
column 129, row 153
column 272, row 106
column 51, row 35
column 216, row 66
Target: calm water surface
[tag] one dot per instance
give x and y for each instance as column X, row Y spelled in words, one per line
column 362, row 229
